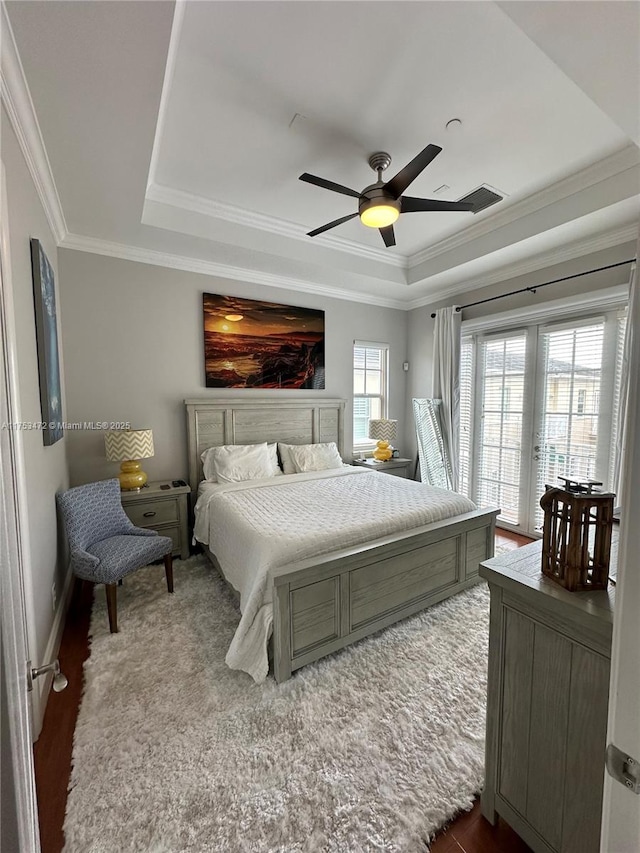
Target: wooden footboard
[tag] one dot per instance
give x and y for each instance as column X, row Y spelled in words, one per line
column 324, row 604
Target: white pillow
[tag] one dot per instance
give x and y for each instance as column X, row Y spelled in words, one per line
column 285, row 457
column 315, row 457
column 261, row 459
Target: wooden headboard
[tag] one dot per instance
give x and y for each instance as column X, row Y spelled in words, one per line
column 251, row 421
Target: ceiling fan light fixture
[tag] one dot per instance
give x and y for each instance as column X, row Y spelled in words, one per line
column 379, row 214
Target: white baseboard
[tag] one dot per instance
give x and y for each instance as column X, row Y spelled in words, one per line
column 42, row 687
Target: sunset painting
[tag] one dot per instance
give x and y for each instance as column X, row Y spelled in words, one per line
column 252, row 344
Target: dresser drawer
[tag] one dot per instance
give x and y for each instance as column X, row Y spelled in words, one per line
column 153, row 513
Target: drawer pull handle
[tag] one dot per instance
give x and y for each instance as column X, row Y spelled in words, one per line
column 148, row 514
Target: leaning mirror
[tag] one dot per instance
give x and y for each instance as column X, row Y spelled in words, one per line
column 435, row 468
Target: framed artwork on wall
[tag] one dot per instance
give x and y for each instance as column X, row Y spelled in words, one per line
column 44, row 297
column 254, row 344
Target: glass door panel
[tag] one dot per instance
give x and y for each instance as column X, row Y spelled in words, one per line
column 570, row 362
column 501, row 383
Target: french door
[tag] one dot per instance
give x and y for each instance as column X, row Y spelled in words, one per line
column 537, row 403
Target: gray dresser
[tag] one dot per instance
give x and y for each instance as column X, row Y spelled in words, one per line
column 549, row 659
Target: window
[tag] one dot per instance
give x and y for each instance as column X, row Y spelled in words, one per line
column 370, row 388
column 536, row 403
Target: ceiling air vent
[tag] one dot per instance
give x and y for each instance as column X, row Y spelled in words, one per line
column 481, row 198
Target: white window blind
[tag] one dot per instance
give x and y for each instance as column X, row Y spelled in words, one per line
column 370, row 388
column 466, row 414
column 501, row 375
column 571, row 364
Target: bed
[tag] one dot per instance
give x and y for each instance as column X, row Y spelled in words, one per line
column 323, row 587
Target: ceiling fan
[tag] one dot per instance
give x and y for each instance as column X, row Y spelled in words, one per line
column 380, row 204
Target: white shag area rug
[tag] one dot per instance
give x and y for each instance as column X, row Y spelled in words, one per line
column 372, row 749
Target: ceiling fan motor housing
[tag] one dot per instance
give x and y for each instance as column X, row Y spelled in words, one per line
column 374, row 196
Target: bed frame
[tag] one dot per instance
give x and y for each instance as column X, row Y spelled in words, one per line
column 324, row 604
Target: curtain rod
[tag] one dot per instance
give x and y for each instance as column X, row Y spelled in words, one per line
column 536, row 286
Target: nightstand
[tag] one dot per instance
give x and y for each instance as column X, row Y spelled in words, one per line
column 164, row 510
column 398, row 467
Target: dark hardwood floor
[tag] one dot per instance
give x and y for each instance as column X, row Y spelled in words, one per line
column 52, row 751
column 469, row 832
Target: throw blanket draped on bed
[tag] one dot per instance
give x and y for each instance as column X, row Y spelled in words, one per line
column 257, row 525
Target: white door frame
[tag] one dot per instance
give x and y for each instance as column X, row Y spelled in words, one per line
column 13, row 609
column 621, row 807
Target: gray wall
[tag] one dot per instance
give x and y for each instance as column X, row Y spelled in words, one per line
column 45, row 467
column 420, row 324
column 134, row 342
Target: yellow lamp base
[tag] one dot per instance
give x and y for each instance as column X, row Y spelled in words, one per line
column 132, row 477
column 383, row 451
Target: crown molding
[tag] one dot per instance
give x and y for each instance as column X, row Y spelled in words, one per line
column 96, row 246
column 251, row 219
column 93, row 245
column 623, row 160
column 167, row 82
column 16, row 97
column 575, row 250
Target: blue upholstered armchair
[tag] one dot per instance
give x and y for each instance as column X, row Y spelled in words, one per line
column 105, row 545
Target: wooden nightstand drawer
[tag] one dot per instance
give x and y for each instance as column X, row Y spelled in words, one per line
column 174, row 534
column 398, row 472
column 162, row 507
column 153, row 513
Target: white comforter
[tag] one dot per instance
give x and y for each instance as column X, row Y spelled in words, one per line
column 254, row 526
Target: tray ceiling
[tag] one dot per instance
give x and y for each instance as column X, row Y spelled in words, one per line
column 183, row 130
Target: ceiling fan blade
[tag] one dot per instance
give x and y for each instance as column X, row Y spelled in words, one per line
column 388, row 235
column 398, row 184
column 328, row 185
column 416, row 205
column 331, row 225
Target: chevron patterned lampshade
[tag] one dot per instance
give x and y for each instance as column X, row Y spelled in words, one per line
column 128, row 446
column 384, row 430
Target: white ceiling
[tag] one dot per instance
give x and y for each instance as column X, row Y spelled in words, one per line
column 181, row 132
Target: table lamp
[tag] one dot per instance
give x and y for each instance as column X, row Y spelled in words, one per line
column 128, row 446
column 384, row 430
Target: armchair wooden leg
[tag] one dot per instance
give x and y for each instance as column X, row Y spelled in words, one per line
column 112, row 606
column 168, row 570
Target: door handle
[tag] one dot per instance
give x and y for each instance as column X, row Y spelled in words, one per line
column 148, row 514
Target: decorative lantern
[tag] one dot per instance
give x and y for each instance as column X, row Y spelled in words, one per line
column 576, row 544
